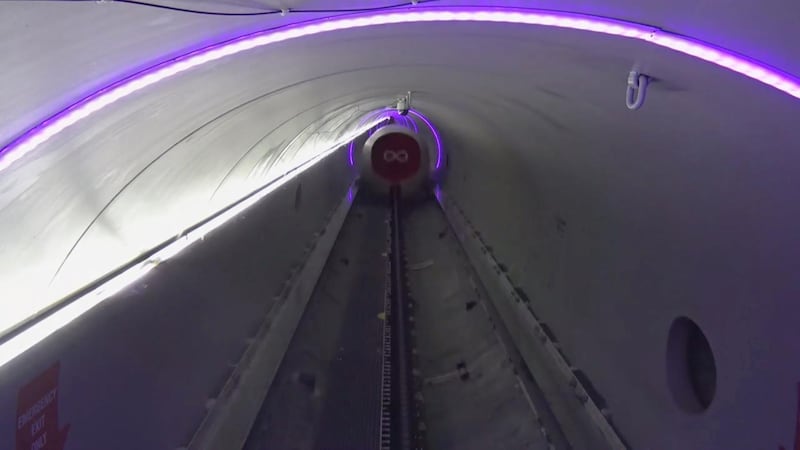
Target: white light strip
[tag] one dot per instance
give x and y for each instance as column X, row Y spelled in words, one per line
column 52, row 323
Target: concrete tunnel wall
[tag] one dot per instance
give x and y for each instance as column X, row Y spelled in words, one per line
column 108, row 189
column 137, row 372
column 613, row 222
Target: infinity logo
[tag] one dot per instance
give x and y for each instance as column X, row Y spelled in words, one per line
column 395, row 155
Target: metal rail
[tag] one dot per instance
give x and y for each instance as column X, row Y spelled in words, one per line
column 386, row 369
column 537, row 346
column 403, row 412
column 234, row 409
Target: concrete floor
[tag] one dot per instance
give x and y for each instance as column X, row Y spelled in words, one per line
column 325, row 395
column 320, row 398
column 473, row 398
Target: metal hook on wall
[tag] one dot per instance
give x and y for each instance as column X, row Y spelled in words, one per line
column 637, row 90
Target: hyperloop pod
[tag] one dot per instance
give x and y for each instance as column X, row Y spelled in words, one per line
column 398, row 152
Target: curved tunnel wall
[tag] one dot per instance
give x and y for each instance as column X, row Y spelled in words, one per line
column 105, row 190
column 158, row 351
column 614, row 223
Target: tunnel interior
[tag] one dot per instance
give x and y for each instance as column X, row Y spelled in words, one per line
column 220, row 191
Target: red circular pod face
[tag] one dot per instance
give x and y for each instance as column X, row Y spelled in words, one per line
column 396, row 157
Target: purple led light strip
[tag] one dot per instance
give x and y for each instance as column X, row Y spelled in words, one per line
column 351, row 147
column 741, row 64
column 390, row 113
column 436, row 136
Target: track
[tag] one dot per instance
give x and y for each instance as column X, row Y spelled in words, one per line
column 404, row 411
column 393, row 355
column 326, row 392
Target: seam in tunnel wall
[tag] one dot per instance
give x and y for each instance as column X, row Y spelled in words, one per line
column 137, row 371
column 114, row 186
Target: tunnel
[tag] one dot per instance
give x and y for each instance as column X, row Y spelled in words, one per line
column 442, row 224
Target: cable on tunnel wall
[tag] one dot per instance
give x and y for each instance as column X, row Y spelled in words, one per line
column 81, row 109
column 144, row 169
column 290, row 119
column 70, row 276
column 32, row 330
column 636, row 91
column 268, row 12
column 315, row 126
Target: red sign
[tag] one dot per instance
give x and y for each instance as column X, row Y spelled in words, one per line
column 396, row 157
column 37, row 414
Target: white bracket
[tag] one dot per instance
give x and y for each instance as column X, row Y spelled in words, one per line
column 636, row 90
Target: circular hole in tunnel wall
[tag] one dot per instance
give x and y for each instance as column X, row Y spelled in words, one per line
column 691, row 369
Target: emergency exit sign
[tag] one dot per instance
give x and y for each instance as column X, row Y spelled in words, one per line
column 37, row 414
